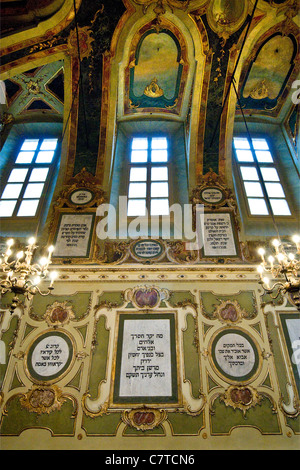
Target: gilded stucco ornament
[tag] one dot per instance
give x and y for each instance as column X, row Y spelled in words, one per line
column 153, row 90
column 144, row 419
column 59, row 314
column 43, row 399
column 230, row 312
column 85, row 42
column 241, row 397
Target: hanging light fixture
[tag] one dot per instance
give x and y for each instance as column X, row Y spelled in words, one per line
column 23, row 275
column 284, row 268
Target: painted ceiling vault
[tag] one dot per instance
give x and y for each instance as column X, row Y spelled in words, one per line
column 149, row 337
column 162, row 70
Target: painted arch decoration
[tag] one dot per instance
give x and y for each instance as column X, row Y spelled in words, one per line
column 267, row 75
column 156, row 74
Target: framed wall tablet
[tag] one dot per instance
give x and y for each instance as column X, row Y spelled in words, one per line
column 219, row 235
column 74, row 234
column 50, row 356
column 146, row 369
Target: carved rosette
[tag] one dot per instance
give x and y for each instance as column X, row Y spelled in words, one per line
column 43, row 399
column 144, row 419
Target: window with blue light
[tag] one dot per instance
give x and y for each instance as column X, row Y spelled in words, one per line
column 258, row 171
column 28, row 178
column 148, row 186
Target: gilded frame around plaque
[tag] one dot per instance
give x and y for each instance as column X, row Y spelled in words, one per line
column 29, row 370
column 173, row 401
column 82, row 182
column 239, row 380
column 144, row 419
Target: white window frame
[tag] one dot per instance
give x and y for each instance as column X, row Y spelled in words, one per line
column 269, row 189
column 148, row 181
column 29, row 179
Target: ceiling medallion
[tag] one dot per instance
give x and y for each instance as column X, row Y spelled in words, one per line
column 225, row 17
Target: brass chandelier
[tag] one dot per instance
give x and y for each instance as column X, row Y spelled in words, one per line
column 284, row 269
column 23, row 275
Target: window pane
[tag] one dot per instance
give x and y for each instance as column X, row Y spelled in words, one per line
column 249, row 173
column 39, row 174
column 260, row 144
column 11, row 191
column 159, row 207
column 138, row 174
column 136, row 207
column 280, row 207
column 18, row 175
column 159, row 173
column 139, row 143
column 159, row 155
column 244, row 155
column 28, row 208
column 33, row 190
column 7, row 208
column 30, row 144
column 253, row 189
column 159, row 143
column 139, row 156
column 49, row 144
column 45, row 157
column 240, row 143
column 25, row 157
column 159, row 190
column 263, row 156
column 269, row 174
column 258, row 206
column 137, row 190
column 274, row 190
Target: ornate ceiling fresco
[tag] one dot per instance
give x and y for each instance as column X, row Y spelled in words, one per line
column 157, row 70
column 269, row 73
column 158, row 65
column 38, row 89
